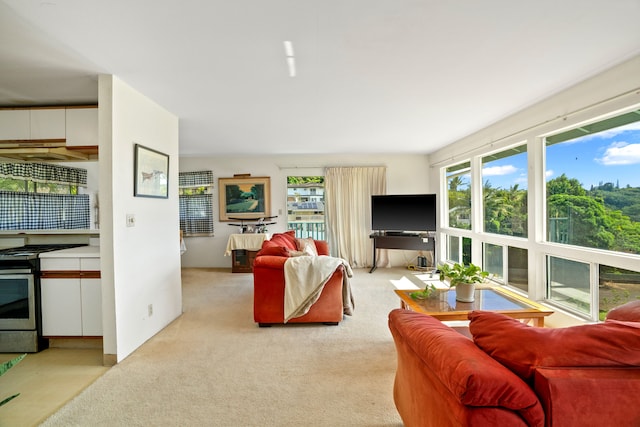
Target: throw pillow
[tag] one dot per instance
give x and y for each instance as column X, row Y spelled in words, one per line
column 286, row 239
column 270, row 248
column 629, row 312
column 307, row 245
column 522, row 348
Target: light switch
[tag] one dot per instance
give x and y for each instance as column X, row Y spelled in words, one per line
column 131, row 220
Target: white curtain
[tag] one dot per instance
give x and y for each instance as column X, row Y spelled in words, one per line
column 348, row 192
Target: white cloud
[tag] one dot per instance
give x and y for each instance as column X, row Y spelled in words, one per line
column 549, row 173
column 620, row 153
column 499, row 170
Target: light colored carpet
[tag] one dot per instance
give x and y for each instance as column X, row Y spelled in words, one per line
column 214, row 366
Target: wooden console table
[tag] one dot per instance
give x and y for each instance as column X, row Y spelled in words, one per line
column 417, row 242
column 243, row 249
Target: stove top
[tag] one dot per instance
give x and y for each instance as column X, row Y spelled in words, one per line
column 32, row 251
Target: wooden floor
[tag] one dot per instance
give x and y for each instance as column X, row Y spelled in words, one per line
column 46, row 381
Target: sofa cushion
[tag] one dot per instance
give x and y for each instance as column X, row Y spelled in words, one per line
column 271, row 248
column 470, row 375
column 307, row 246
column 629, row 312
column 522, row 348
column 286, row 239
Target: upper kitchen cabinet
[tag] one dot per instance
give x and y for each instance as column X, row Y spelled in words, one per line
column 15, row 124
column 47, row 123
column 46, row 134
column 82, row 126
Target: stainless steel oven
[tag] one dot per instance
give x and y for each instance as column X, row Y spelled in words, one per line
column 20, row 303
column 18, row 309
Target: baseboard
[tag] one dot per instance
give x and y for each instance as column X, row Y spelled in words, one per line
column 79, row 342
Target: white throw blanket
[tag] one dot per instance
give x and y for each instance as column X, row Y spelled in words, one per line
column 304, row 279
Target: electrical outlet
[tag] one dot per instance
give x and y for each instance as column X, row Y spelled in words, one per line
column 131, row 220
column 150, row 309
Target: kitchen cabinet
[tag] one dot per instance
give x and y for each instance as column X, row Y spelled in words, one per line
column 82, row 126
column 71, row 294
column 47, row 123
column 15, row 124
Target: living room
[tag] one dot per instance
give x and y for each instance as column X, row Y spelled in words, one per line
column 134, row 281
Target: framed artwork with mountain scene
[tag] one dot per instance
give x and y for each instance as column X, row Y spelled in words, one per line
column 244, row 197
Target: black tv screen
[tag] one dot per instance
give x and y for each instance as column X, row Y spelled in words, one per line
column 403, row 212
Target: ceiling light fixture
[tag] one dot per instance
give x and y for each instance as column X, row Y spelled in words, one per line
column 291, row 60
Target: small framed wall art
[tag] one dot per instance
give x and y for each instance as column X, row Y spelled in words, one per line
column 244, row 196
column 151, row 173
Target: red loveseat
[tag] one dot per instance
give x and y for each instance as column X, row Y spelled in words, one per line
column 268, row 284
column 512, row 374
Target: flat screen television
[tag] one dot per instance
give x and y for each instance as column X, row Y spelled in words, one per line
column 403, row 212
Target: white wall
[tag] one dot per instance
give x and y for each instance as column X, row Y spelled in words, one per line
column 141, row 264
column 406, row 174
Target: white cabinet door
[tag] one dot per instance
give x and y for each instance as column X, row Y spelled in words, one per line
column 82, row 126
column 61, row 307
column 91, row 293
column 14, row 124
column 48, row 123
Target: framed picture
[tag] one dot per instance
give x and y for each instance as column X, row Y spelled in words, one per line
column 244, row 197
column 151, row 173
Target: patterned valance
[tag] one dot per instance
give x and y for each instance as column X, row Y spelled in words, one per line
column 195, row 179
column 45, row 173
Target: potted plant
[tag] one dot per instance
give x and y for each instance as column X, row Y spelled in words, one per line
column 463, row 278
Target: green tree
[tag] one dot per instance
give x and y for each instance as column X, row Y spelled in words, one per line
column 564, row 185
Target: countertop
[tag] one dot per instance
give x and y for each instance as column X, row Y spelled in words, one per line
column 79, row 252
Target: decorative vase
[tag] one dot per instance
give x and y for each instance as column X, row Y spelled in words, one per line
column 465, row 292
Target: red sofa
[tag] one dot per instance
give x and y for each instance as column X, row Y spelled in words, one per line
column 512, row 374
column 268, row 284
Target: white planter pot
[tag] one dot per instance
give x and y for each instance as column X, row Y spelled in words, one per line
column 465, row 292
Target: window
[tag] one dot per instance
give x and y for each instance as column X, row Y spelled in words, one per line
column 459, row 195
column 593, row 188
column 459, row 249
column 196, row 203
column 504, row 192
column 518, row 268
column 568, row 284
column 35, row 196
column 616, row 286
column 493, row 261
column 305, row 206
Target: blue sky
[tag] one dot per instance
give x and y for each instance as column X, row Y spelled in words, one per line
column 609, row 156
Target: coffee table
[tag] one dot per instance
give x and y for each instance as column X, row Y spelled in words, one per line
column 444, row 306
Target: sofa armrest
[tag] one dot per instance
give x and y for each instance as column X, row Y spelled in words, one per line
column 589, row 396
column 452, row 378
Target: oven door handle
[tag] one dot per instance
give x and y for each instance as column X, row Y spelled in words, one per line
column 16, row 271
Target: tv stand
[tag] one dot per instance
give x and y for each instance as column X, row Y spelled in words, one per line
column 400, row 240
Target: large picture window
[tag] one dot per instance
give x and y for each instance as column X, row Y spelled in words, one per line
column 593, row 185
column 552, row 211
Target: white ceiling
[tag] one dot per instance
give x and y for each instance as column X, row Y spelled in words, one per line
column 374, row 76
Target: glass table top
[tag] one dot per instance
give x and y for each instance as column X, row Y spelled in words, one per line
column 485, row 299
